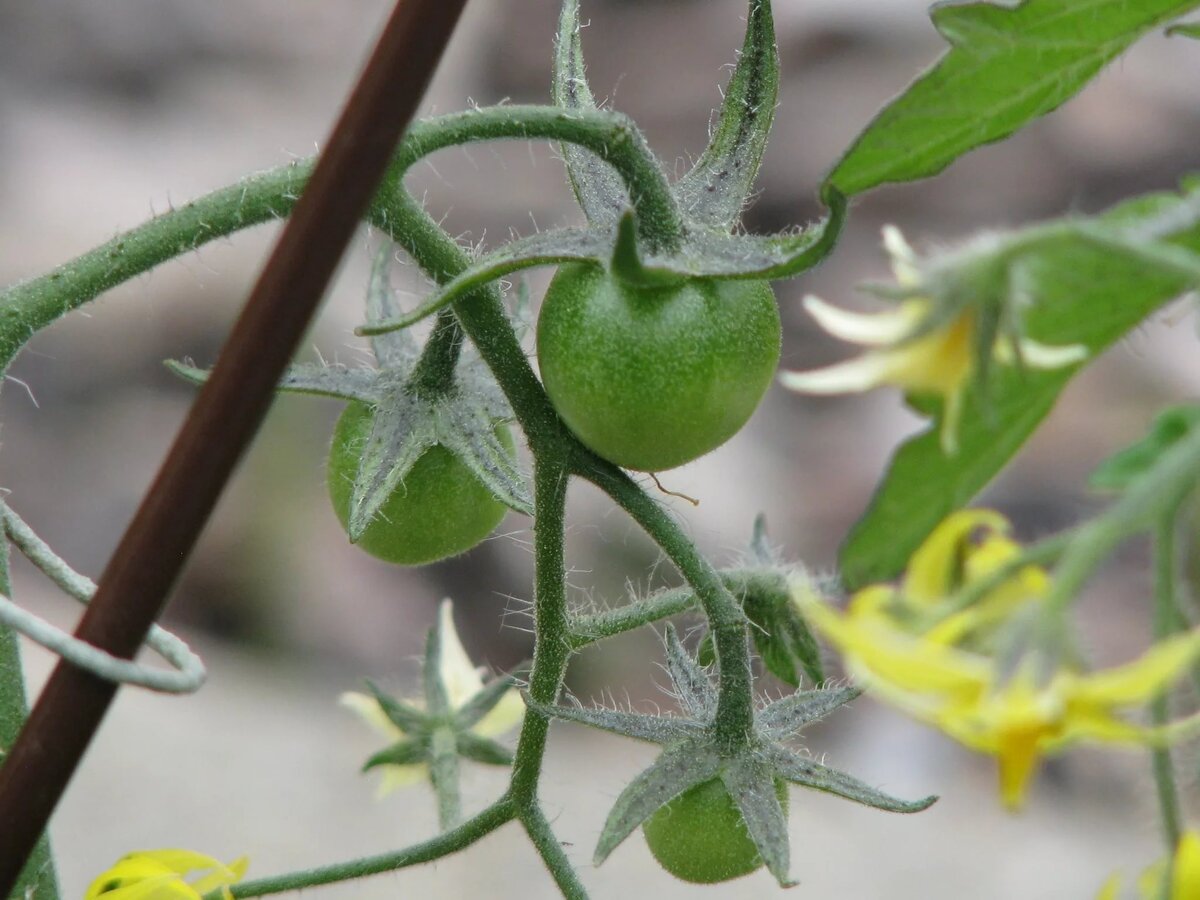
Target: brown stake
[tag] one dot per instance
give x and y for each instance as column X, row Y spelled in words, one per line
column 226, row 414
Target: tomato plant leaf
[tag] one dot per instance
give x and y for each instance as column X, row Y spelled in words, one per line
column 1086, row 285
column 601, row 193
column 1006, row 66
column 716, row 189
column 1120, row 470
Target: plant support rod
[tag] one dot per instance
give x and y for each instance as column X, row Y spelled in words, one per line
column 225, row 416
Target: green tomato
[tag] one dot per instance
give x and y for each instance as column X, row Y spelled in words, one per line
column 652, row 378
column 439, row 510
column 700, row 836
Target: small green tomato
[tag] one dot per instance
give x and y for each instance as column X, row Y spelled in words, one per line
column 439, row 510
column 653, row 377
column 700, row 836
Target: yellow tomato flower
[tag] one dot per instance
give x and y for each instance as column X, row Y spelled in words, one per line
column 159, row 875
column 1184, row 874
column 1016, row 717
column 906, row 352
column 462, row 681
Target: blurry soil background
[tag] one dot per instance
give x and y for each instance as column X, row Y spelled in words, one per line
column 111, row 111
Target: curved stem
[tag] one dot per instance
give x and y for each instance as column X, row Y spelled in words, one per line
column 1166, row 623
column 734, row 720
column 29, row 306
column 542, row 837
column 444, row 844
column 611, row 136
column 551, row 626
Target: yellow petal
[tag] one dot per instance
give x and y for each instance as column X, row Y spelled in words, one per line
column 180, row 861
column 1144, row 678
column 395, row 777
column 1185, row 871
column 505, row 715
column 850, row 377
column 369, row 710
column 904, row 258
column 868, row 329
column 460, row 678
column 1110, row 890
column 1044, row 356
column 1018, row 759
column 939, row 566
column 896, row 659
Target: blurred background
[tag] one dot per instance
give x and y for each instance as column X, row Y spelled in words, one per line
column 112, row 111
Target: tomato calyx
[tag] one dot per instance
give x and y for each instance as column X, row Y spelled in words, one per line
column 442, row 397
column 692, row 756
column 457, row 717
column 701, row 238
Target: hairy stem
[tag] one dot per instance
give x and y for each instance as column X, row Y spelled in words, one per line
column 734, row 718
column 611, row 136
column 433, row 374
column 542, row 837
column 444, row 844
column 551, row 648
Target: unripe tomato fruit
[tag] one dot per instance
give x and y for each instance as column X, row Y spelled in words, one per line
column 439, row 510
column 653, row 377
column 700, row 836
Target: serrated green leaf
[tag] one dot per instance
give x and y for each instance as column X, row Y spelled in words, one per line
column 1007, row 65
column 601, row 193
column 1088, row 292
column 714, row 192
column 1123, row 468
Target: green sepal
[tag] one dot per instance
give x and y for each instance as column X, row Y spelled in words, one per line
column 718, row 186
column 402, row 753
column 542, row 249
column 601, row 194
column 481, row 749
column 641, row 727
column 340, row 382
column 751, row 784
column 626, row 261
column 792, row 712
column 471, row 712
column 1187, row 29
column 811, row 774
column 1123, row 468
column 407, row 718
column 693, row 687
column 677, row 768
column 437, row 700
